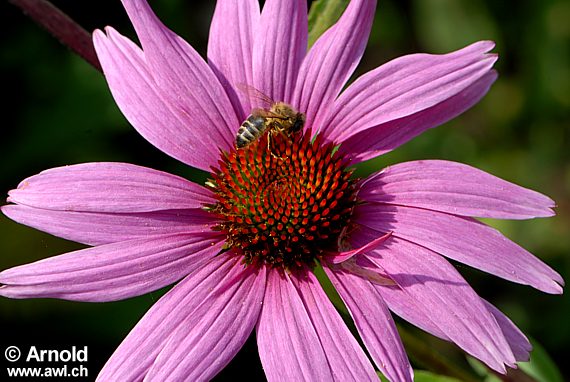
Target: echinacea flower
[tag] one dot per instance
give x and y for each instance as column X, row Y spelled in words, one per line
column 243, row 247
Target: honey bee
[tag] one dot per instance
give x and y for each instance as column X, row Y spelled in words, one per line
column 277, row 118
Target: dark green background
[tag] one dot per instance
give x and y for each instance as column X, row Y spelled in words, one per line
column 57, row 110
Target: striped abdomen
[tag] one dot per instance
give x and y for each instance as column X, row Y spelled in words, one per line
column 251, row 129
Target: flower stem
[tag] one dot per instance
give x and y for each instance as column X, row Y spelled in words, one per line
column 424, row 356
column 62, row 27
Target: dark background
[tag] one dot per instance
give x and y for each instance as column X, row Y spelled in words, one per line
column 57, row 110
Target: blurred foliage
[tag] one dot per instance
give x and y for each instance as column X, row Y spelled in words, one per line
column 57, row 110
column 541, row 367
column 425, row 376
column 323, row 14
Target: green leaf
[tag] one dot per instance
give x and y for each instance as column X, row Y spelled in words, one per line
column 323, row 14
column 382, row 378
column 423, row 354
column 330, row 290
column 541, row 367
column 481, row 369
column 426, row 376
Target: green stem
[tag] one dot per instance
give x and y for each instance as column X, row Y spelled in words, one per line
column 426, row 357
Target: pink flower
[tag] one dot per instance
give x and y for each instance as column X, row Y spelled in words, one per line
column 243, row 249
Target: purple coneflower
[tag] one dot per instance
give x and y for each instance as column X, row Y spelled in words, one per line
column 243, row 248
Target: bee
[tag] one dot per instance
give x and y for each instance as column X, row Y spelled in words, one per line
column 277, row 118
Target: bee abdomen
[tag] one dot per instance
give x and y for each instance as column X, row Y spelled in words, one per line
column 250, row 130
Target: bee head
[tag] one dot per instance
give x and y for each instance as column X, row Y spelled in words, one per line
column 295, row 119
column 298, row 122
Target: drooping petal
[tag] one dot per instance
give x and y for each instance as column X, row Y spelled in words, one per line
column 365, row 270
column 518, row 342
column 413, row 311
column 446, row 298
column 93, row 228
column 230, row 48
column 462, row 239
column 374, row 323
column 113, row 271
column 186, row 80
column 210, row 336
column 339, row 257
column 406, row 86
column 332, row 60
column 345, row 356
column 288, row 343
column 454, row 188
column 139, row 349
column 108, row 187
column 147, row 107
column 387, row 136
column 279, row 47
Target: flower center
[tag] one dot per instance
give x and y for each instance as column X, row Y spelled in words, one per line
column 283, row 202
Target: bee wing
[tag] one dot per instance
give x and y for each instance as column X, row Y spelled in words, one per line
column 255, row 94
column 258, row 112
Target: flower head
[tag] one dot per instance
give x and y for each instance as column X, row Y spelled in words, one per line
column 243, row 248
column 283, row 204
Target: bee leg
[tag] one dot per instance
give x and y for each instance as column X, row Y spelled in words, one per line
column 269, row 147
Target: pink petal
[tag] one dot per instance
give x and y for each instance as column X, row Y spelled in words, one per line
column 345, row 356
column 209, row 337
column 279, row 47
column 374, row 323
column 344, row 256
column 359, row 266
column 332, row 60
column 446, row 298
column 413, row 311
column 462, row 239
column 148, row 108
column 108, row 187
column 405, row 86
column 454, row 188
column 186, row 80
column 387, row 136
column 113, row 271
column 518, row 342
column 139, row 349
column 93, row 228
column 288, row 343
column 230, row 48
